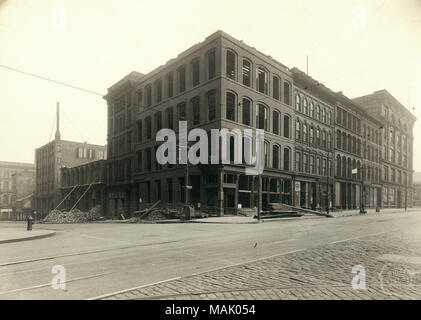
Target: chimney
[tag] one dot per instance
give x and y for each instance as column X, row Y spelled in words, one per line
column 58, row 122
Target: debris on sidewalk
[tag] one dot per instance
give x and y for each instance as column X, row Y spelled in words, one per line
column 73, row 216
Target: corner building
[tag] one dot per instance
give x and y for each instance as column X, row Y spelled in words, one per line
column 219, row 83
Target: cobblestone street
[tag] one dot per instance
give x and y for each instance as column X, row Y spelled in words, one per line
column 391, row 260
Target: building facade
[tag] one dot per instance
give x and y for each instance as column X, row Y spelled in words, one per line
column 83, row 186
column 53, row 156
column 17, row 180
column 321, row 148
column 397, row 142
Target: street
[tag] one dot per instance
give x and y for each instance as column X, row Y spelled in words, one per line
column 291, row 259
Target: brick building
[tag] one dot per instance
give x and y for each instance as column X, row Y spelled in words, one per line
column 397, row 143
column 321, row 148
column 53, row 156
column 83, row 186
column 17, row 180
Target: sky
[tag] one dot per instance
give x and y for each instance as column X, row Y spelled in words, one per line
column 356, row 47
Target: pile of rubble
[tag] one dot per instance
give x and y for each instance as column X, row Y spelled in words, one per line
column 73, row 216
column 159, row 213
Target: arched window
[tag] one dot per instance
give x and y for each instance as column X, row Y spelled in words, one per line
column 354, row 166
column 276, row 91
column 349, row 169
column 230, row 106
column 297, row 130
column 311, row 135
column 287, row 159
column 246, row 111
column 311, row 109
column 338, row 165
column 262, row 80
column 344, row 172
column 305, row 135
column 275, row 156
column 231, row 64
column 305, row 110
column 354, row 145
column 297, row 103
column 275, row 122
column 262, row 117
column 286, row 126
column 247, row 72
column 358, row 170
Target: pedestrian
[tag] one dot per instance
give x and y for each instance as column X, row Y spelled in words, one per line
column 29, row 222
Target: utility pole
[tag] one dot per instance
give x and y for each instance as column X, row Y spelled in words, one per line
column 259, row 196
column 362, row 210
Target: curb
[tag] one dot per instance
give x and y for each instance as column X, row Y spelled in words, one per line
column 40, row 236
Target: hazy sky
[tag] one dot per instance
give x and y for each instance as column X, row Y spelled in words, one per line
column 354, row 46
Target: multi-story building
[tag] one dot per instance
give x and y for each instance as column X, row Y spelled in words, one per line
column 83, row 186
column 16, row 181
column 396, row 141
column 321, row 148
column 314, row 122
column 53, row 156
column 219, row 83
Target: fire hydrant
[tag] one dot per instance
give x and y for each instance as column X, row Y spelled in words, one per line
column 29, row 223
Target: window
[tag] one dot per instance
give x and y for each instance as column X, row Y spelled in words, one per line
column 170, row 118
column 305, row 136
column 311, row 135
column 182, row 78
column 195, row 72
column 312, row 165
column 148, row 159
column 286, row 126
column 305, row 110
column 230, row 115
column 139, row 131
column 324, row 115
column 305, row 163
column 231, row 64
column 148, row 128
column 158, row 121
column 158, row 89
column 246, row 73
column 211, row 64
column 246, row 111
column 148, row 95
column 261, row 117
column 297, row 130
column 139, row 161
column 318, row 136
column 170, row 84
column 182, row 112
column 275, row 120
column 276, row 88
column 286, row 159
column 297, row 161
column 287, row 93
column 275, row 157
column 196, row 110
column 262, row 80
column 140, row 97
column 318, row 112
column 211, row 105
column 318, row 166
column 298, row 103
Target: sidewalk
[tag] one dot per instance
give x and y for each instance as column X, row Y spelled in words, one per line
column 356, row 212
column 8, row 235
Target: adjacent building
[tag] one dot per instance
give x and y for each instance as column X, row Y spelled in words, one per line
column 53, row 156
column 397, row 142
column 17, row 180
